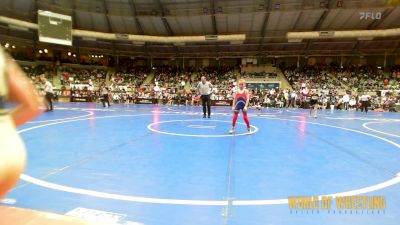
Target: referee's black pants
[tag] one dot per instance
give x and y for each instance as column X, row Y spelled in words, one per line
column 206, row 101
column 105, row 99
column 49, row 99
column 364, row 106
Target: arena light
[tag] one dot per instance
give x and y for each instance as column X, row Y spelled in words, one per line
column 131, row 37
column 139, row 43
column 13, row 27
column 236, row 42
column 365, row 38
column 69, row 54
column 211, row 37
column 20, row 23
column 326, row 33
column 344, row 34
column 159, row 39
column 89, row 39
column 179, row 44
column 295, row 40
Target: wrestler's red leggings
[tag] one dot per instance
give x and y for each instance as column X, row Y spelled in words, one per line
column 246, row 119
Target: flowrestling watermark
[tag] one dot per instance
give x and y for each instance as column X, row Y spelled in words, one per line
column 370, row 15
column 355, row 204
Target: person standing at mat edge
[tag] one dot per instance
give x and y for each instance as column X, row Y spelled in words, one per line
column 49, row 94
column 204, row 88
column 365, row 101
column 104, row 95
column 14, row 87
column 240, row 102
column 314, row 104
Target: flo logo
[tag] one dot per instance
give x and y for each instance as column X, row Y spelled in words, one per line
column 370, row 15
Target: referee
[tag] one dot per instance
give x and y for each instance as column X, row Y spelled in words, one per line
column 49, row 94
column 204, row 88
column 104, row 94
column 365, row 102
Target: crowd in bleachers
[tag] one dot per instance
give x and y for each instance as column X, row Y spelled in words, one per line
column 327, row 81
column 38, row 73
column 337, row 87
column 315, row 77
column 82, row 76
column 134, row 75
column 365, row 78
column 259, row 75
column 321, row 79
column 165, row 84
column 81, row 82
column 221, row 77
column 33, row 71
column 170, row 77
column 168, row 85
